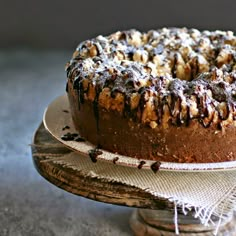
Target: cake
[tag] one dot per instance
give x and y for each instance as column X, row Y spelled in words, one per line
column 164, row 95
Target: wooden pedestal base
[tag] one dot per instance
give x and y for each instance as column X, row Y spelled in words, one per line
column 146, row 222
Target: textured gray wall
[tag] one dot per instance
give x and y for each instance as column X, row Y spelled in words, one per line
column 62, row 24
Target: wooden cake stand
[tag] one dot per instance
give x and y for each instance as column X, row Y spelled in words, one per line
column 152, row 216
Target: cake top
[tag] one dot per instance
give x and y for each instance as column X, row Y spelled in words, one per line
column 160, row 77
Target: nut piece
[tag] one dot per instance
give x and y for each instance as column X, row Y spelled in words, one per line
column 153, row 124
column 134, row 100
column 91, row 92
column 166, row 116
column 224, row 57
column 135, row 39
column 104, row 98
column 182, row 70
column 149, row 112
column 93, row 51
column 140, row 56
column 193, row 110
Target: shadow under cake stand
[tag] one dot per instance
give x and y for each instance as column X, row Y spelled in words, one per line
column 152, row 216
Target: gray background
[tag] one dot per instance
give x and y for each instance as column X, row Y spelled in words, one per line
column 62, row 24
column 36, row 40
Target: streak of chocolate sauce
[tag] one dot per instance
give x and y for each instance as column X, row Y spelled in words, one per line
column 96, row 109
column 159, row 110
column 179, row 120
column 143, row 101
column 127, row 112
column 96, row 113
column 174, row 68
column 81, row 93
column 78, row 86
column 187, row 120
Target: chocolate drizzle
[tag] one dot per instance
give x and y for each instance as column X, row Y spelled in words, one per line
column 174, row 68
column 78, row 86
column 96, row 112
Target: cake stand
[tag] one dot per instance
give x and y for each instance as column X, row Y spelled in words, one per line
column 152, row 216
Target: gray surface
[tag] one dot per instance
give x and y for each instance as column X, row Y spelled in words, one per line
column 62, row 24
column 29, row 205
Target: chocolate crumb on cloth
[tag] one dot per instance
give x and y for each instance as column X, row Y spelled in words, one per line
column 141, row 164
column 79, row 139
column 175, row 85
column 155, row 166
column 115, row 160
column 94, row 153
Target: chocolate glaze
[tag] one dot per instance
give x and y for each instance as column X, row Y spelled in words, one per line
column 96, row 112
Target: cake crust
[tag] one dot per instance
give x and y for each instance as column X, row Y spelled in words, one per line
column 166, row 95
